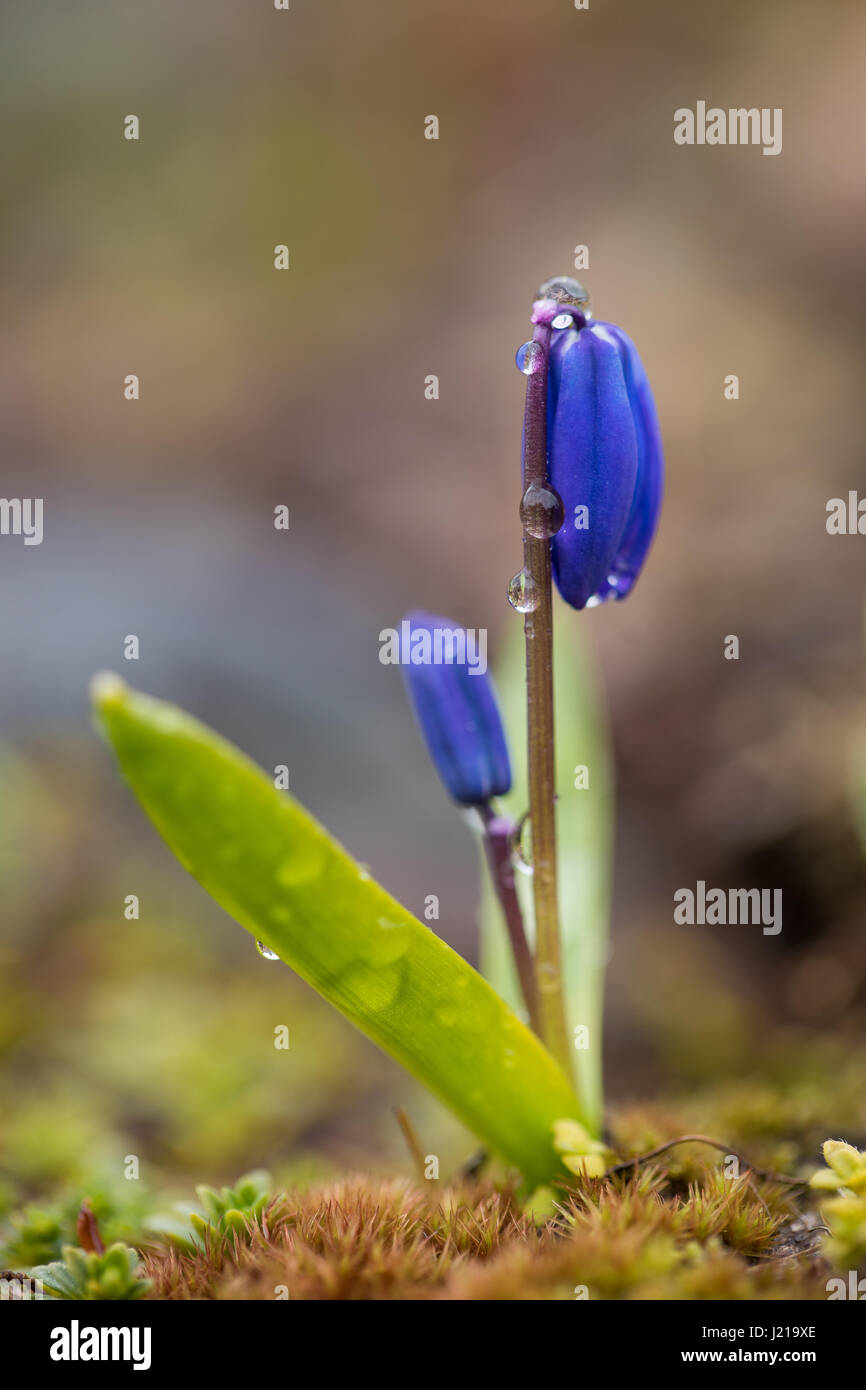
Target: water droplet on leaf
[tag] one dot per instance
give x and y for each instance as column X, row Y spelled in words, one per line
column 390, row 943
column 266, row 951
column 301, row 867
column 446, row 1015
column 374, row 987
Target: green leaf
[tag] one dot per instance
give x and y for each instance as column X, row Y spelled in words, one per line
column 80, row 1263
column 56, row 1279
column 584, row 821
column 86, row 1275
column 826, row 1180
column 280, row 875
column 199, row 1225
column 251, row 1192
column 211, row 1201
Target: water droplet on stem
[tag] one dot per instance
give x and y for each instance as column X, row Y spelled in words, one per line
column 523, row 592
column 521, row 859
column 530, row 358
column 541, row 511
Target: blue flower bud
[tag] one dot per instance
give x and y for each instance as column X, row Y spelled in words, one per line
column 605, row 461
column 455, row 705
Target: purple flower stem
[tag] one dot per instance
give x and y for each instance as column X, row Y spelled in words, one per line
column 498, row 833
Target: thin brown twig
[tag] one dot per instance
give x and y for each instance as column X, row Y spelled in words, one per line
column 766, row 1173
column 753, row 1189
column 413, row 1143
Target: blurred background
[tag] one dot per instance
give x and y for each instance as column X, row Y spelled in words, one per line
column 409, row 257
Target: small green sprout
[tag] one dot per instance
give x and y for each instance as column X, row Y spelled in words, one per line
column 35, row 1236
column 844, row 1214
column 220, row 1213
column 232, row 1208
column 37, row 1232
column 579, row 1152
column 846, row 1168
column 112, row 1275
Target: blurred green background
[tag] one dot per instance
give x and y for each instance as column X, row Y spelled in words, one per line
column 409, row 257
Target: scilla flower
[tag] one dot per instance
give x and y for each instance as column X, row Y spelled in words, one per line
column 604, row 452
column 445, row 670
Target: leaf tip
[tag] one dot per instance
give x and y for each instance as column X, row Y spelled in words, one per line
column 106, row 688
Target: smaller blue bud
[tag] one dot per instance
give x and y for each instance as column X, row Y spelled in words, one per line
column 455, row 705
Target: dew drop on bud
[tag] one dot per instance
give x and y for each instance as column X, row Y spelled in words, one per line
column 564, row 289
column 266, row 951
column 523, row 593
column 620, row 583
column 541, row 511
column 562, row 321
column 530, row 358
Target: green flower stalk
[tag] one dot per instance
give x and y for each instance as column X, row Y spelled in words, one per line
column 531, row 593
